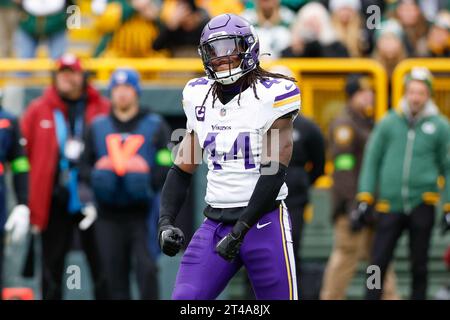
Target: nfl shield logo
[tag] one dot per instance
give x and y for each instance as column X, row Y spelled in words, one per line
column 223, row 112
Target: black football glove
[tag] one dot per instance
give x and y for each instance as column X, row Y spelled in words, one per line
column 228, row 247
column 171, row 239
column 446, row 222
column 361, row 216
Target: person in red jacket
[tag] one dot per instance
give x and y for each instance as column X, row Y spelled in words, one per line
column 54, row 126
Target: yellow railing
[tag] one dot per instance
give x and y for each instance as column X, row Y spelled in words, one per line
column 103, row 67
column 321, row 81
column 300, row 67
column 340, row 66
column 441, row 84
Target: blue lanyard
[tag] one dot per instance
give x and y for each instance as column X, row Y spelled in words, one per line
column 62, row 131
column 74, row 204
column 78, row 130
column 61, row 135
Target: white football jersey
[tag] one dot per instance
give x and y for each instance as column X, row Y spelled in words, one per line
column 232, row 135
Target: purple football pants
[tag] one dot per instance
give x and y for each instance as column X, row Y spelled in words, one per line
column 266, row 253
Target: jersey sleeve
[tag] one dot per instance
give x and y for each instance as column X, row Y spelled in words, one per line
column 284, row 100
column 189, row 109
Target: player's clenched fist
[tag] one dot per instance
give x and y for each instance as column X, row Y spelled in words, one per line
column 228, row 247
column 171, row 239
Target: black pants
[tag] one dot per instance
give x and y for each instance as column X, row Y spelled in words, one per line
column 389, row 228
column 122, row 241
column 56, row 242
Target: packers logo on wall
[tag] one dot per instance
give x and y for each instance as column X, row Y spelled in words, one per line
column 343, row 135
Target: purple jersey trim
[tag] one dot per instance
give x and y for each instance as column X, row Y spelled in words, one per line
column 287, row 95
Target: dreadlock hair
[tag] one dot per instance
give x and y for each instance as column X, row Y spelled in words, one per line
column 248, row 80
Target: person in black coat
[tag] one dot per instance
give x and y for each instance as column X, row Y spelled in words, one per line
column 307, row 164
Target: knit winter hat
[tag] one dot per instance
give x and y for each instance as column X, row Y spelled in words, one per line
column 125, row 76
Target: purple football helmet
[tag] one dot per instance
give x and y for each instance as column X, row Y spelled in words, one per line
column 224, row 37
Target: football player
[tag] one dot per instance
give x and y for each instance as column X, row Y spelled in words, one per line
column 241, row 117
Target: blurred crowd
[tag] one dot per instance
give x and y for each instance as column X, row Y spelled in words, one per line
column 96, row 140
column 387, row 31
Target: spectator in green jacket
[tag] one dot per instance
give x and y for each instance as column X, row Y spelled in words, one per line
column 407, row 152
column 42, row 21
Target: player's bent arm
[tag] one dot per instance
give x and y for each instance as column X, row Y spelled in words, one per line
column 284, row 126
column 266, row 190
column 269, row 184
column 179, row 178
column 174, row 194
